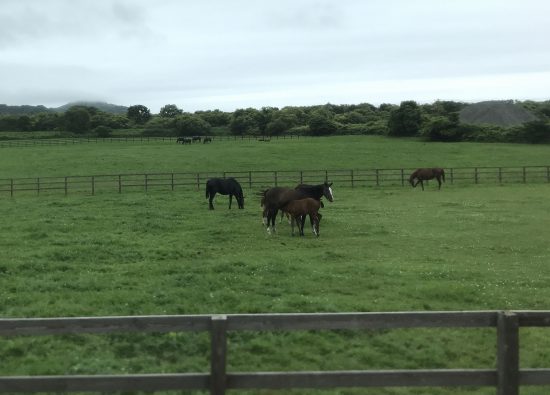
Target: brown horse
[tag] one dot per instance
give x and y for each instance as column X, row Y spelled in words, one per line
column 273, row 199
column 427, row 174
column 298, row 209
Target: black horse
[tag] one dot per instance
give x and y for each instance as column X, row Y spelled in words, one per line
column 183, row 140
column 207, row 140
column 274, row 199
column 427, row 174
column 224, row 186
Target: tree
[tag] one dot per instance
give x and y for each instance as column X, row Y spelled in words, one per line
column 245, row 121
column 170, row 111
column 215, row 117
column 139, row 114
column 536, row 132
column 321, row 123
column 190, row 125
column 77, row 119
column 405, row 120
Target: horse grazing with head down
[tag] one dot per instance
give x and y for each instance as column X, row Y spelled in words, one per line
column 274, row 199
column 422, row 174
column 298, row 209
column 224, row 186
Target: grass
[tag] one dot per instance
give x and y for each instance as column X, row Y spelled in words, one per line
column 388, row 249
column 347, row 152
column 379, row 250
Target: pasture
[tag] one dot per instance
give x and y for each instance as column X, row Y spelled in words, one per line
column 380, row 249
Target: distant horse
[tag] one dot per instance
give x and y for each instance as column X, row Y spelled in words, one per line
column 224, row 186
column 197, row 138
column 274, row 199
column 207, row 140
column 427, row 174
column 183, row 140
column 298, row 209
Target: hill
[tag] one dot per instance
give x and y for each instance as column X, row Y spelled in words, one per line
column 31, row 110
column 102, row 106
column 502, row 113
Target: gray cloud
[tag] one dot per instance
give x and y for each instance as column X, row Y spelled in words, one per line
column 219, row 54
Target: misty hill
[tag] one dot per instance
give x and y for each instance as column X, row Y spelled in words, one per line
column 31, row 110
column 501, row 113
column 102, row 106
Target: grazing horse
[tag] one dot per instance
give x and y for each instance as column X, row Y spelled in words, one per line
column 224, row 186
column 207, row 140
column 274, row 199
column 427, row 174
column 197, row 138
column 298, row 209
column 184, row 140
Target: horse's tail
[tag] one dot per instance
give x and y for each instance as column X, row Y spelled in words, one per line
column 412, row 177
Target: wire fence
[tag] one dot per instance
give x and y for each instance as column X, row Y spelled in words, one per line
column 119, row 183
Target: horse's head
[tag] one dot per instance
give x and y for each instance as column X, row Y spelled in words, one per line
column 327, row 191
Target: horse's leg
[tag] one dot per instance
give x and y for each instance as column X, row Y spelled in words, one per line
column 302, row 223
column 230, row 199
column 439, row 181
column 292, row 225
column 312, row 223
column 422, row 184
column 210, row 205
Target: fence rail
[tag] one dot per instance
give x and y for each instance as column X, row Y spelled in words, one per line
column 506, row 377
column 92, row 184
column 133, row 139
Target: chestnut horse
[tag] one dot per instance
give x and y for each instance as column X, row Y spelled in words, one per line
column 427, row 174
column 298, row 209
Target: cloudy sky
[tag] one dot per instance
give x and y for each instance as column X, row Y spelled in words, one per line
column 228, row 54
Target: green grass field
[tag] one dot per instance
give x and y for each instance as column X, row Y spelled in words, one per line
column 380, row 249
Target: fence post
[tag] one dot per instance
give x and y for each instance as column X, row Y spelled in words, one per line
column 351, row 174
column 452, row 176
column 218, row 347
column 524, row 175
column 326, row 175
column 38, row 185
column 507, row 354
column 93, row 185
column 377, row 178
column 146, row 180
column 198, row 181
column 119, row 184
column 172, row 181
column 500, row 175
column 402, row 177
column 250, row 179
column 275, row 175
column 547, row 173
column 475, row 175
column 65, row 186
column 302, row 177
column 11, row 187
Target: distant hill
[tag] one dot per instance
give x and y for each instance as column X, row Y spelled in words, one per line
column 501, row 113
column 22, row 110
column 102, row 106
column 31, row 110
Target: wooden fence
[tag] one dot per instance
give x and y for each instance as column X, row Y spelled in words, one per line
column 92, row 184
column 506, row 377
column 133, row 139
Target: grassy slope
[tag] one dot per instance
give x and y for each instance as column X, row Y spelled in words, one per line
column 380, row 250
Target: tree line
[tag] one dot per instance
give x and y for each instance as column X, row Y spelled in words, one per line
column 438, row 121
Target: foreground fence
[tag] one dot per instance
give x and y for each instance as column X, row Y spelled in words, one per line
column 92, row 184
column 506, row 377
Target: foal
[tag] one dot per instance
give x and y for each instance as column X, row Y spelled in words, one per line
column 298, row 209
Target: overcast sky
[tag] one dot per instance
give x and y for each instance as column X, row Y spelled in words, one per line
column 216, row 54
